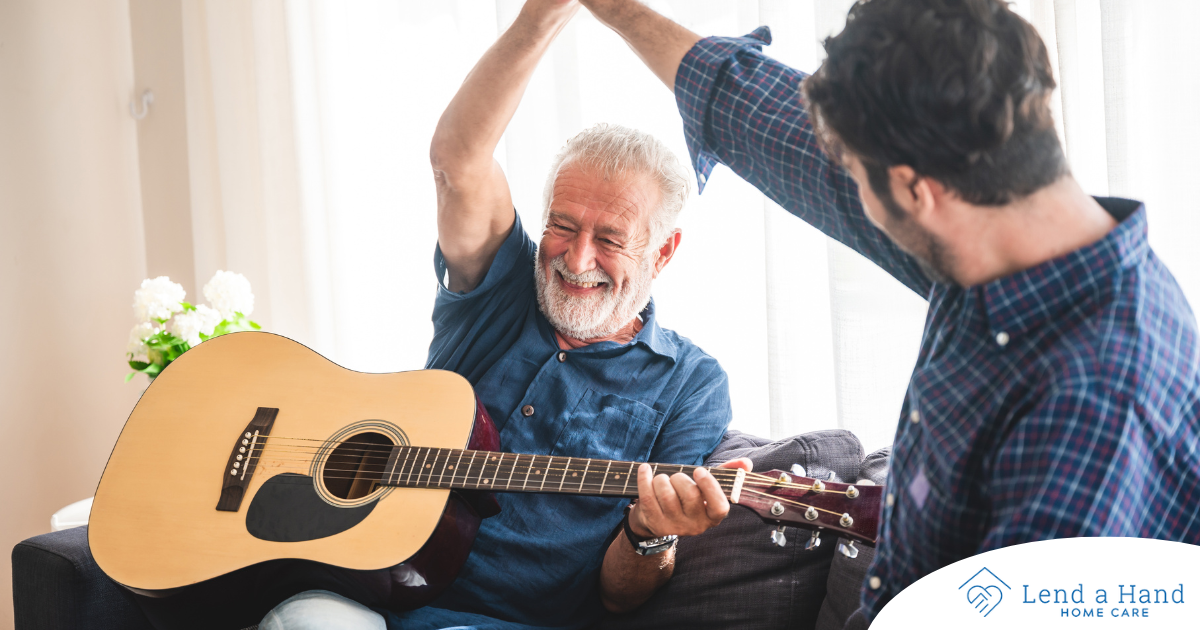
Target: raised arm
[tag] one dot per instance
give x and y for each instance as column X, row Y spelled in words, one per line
column 658, row 41
column 744, row 109
column 475, row 209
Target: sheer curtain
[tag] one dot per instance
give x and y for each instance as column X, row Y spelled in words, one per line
column 321, row 191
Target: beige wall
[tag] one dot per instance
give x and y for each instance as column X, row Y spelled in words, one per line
column 71, row 254
column 157, row 30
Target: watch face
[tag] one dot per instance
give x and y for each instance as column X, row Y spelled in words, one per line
column 655, row 545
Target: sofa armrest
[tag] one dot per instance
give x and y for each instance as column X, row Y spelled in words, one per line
column 57, row 586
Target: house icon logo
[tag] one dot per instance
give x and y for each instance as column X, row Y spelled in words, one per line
column 983, row 591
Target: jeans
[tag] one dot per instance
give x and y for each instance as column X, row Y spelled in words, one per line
column 316, row 610
column 323, row 610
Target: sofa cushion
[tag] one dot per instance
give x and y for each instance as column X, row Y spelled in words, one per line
column 846, row 575
column 733, row 576
column 57, row 586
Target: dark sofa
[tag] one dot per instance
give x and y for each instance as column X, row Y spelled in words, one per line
column 732, row 576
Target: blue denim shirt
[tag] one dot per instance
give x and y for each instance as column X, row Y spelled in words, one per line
column 658, row 398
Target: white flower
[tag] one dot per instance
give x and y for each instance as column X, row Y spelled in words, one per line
column 158, row 299
column 189, row 325
column 229, row 293
column 137, row 341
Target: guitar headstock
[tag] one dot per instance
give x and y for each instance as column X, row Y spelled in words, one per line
column 783, row 498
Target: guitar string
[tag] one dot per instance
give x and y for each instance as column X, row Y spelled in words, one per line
column 444, row 455
column 431, row 467
column 377, row 453
column 596, row 489
column 499, row 471
column 377, row 449
column 507, row 467
column 720, row 473
column 268, row 439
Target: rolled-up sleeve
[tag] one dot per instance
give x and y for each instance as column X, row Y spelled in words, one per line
column 743, row 109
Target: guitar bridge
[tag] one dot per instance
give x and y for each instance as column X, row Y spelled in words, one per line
column 243, row 459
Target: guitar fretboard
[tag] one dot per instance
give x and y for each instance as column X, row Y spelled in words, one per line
column 421, row 467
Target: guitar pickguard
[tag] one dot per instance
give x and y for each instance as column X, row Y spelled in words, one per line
column 287, row 508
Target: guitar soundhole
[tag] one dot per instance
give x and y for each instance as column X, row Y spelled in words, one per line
column 354, row 468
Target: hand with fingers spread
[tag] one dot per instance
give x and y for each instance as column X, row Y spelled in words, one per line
column 680, row 505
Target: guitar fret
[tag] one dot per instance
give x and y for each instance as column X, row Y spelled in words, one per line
column 470, row 464
column 442, row 474
column 564, row 475
column 516, row 458
column 528, row 471
column 629, row 474
column 407, row 477
column 421, row 470
column 487, row 482
column 604, row 479
column 585, row 469
column 391, row 477
column 457, row 467
column 546, row 474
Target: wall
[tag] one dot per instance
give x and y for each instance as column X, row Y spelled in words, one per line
column 157, row 30
column 71, row 254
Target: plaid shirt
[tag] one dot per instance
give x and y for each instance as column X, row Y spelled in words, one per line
column 1062, row 400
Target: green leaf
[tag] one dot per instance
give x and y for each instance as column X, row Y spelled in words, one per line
column 129, row 376
column 138, row 365
column 255, row 326
column 187, row 307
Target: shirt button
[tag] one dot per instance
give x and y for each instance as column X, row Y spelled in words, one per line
column 890, row 499
column 914, row 416
column 874, row 583
column 562, row 357
column 1002, row 338
column 527, row 410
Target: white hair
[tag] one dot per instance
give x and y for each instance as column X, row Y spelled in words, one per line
column 614, row 150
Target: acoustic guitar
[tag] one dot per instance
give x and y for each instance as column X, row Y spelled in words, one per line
column 253, row 450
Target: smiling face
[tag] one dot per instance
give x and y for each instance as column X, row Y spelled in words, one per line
column 595, row 263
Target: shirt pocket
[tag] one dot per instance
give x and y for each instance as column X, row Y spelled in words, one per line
column 608, row 426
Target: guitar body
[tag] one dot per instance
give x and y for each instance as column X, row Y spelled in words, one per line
column 196, row 514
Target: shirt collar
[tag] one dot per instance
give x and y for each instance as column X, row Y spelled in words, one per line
column 651, row 336
column 1048, row 291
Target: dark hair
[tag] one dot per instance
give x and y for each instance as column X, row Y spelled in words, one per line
column 958, row 90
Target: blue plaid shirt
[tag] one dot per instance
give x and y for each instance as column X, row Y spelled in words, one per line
column 1062, row 400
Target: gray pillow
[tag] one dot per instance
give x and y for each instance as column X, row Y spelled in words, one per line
column 846, row 575
column 733, row 576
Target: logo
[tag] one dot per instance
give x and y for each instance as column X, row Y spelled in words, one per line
column 983, row 591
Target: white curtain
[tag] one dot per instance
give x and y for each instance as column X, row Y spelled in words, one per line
column 311, row 134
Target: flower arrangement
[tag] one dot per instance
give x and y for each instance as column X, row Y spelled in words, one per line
column 168, row 326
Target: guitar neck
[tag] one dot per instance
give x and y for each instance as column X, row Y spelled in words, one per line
column 421, row 467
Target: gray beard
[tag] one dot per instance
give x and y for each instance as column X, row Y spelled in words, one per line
column 595, row 317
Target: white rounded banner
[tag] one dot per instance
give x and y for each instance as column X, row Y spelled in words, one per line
column 1064, row 583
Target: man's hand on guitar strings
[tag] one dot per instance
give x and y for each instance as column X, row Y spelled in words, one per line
column 679, row 504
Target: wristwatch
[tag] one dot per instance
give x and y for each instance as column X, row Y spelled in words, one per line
column 645, row 546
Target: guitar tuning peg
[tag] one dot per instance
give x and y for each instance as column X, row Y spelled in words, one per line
column 778, row 538
column 848, row 549
column 798, row 470
column 814, row 541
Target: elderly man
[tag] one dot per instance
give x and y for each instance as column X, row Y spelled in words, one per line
column 561, row 342
column 1057, row 392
